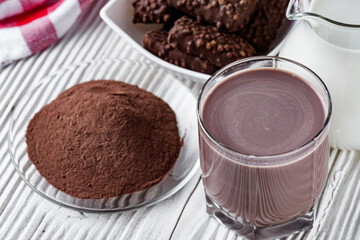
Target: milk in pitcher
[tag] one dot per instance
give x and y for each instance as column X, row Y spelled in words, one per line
column 328, row 42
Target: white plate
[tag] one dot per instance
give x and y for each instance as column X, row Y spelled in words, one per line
column 118, row 15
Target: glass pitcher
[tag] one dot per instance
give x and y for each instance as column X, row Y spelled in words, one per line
column 326, row 38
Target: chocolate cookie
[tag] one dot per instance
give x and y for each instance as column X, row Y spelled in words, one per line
column 152, row 11
column 156, row 42
column 230, row 14
column 102, row 139
column 207, row 42
column 263, row 26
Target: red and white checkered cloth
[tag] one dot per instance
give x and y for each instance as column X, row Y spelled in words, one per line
column 29, row 26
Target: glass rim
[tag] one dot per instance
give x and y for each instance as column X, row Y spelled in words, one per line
column 264, row 158
column 306, row 14
column 299, row 16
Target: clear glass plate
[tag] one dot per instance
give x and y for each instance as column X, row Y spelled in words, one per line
column 145, row 76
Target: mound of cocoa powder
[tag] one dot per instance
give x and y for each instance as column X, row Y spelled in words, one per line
column 102, row 139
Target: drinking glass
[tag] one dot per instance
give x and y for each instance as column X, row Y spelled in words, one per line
column 263, row 197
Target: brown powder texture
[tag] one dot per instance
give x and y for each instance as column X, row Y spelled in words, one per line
column 102, row 139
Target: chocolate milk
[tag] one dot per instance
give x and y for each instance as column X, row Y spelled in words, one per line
column 264, row 115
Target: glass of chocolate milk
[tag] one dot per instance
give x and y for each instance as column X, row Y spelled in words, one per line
column 263, row 134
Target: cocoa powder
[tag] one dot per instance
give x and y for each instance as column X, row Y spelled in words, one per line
column 103, row 139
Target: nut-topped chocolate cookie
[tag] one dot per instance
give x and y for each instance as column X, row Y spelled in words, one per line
column 230, row 14
column 263, row 26
column 156, row 43
column 207, row 42
column 152, row 11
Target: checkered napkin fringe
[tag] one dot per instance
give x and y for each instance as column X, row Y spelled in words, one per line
column 29, row 26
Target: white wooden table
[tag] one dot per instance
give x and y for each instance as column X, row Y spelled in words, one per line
column 25, row 215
